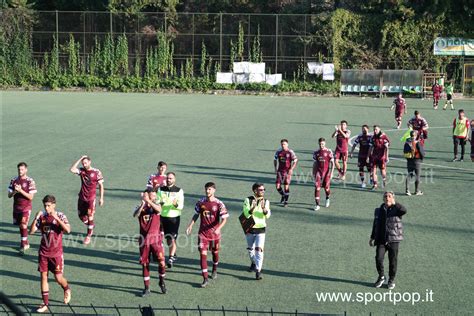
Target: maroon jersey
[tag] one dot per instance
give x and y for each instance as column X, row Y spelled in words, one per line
column 342, row 142
column 437, row 89
column 20, row 203
column 380, row 144
column 419, row 124
column 323, row 158
column 285, row 159
column 149, row 220
column 51, row 235
column 400, row 105
column 210, row 213
column 156, row 181
column 89, row 180
column 364, row 145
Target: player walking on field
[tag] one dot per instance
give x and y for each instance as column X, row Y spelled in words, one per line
column 257, row 207
column 363, row 140
column 342, row 135
column 158, row 180
column 449, row 96
column 171, row 199
column 419, row 124
column 22, row 189
column 213, row 215
column 323, row 167
column 437, row 89
column 378, row 155
column 52, row 224
column 285, row 162
column 90, row 178
column 460, row 134
column 400, row 106
column 151, row 240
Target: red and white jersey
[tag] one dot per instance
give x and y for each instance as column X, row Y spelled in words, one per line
column 285, row 158
column 89, row 180
column 418, row 123
column 156, row 181
column 210, row 213
column 149, row 220
column 20, row 202
column 437, row 89
column 323, row 159
column 51, row 234
column 364, row 145
column 380, row 144
column 342, row 141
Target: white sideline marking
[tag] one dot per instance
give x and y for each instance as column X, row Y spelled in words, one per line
column 426, row 164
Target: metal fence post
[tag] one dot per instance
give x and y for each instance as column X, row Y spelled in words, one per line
column 84, row 33
column 192, row 50
column 220, row 39
column 276, row 43
column 110, row 22
column 57, row 26
column 248, row 38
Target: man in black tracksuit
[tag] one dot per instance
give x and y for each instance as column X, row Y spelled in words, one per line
column 387, row 232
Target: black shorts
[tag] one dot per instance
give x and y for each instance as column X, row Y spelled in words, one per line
column 449, row 97
column 413, row 165
column 170, row 226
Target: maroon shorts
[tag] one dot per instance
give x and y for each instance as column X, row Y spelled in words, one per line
column 380, row 163
column 341, row 155
column 155, row 249
column 362, row 163
column 55, row 264
column 205, row 244
column 283, row 177
column 436, row 96
column 321, row 180
column 398, row 115
column 21, row 217
column 85, row 209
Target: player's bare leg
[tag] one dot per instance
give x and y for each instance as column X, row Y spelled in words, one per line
column 44, row 293
column 286, row 194
column 374, row 178
column 383, row 171
column 146, row 279
column 24, row 245
column 61, row 280
column 317, row 197
column 171, row 242
column 339, row 170
column 344, row 169
column 215, row 259
column 204, row 272
column 327, row 190
column 90, row 227
column 162, row 272
column 279, row 188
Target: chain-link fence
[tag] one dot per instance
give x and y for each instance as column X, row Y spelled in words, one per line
column 286, row 41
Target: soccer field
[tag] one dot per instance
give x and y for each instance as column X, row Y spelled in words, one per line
column 231, row 140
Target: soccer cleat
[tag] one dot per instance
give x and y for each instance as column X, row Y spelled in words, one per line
column 282, row 199
column 214, row 275
column 407, row 193
column 171, row 261
column 384, row 183
column 258, row 275
column 23, row 249
column 391, row 285
column 43, row 308
column 419, row 193
column 285, row 204
column 316, row 208
column 146, row 292
column 162, row 286
column 454, row 159
column 374, row 187
column 380, row 281
column 363, row 185
column 67, row 296
column 87, row 240
column 252, row 268
column 461, row 160
column 205, row 283
column 328, row 202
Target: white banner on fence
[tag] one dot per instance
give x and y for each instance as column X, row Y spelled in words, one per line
column 315, row 68
column 328, row 72
column 241, row 67
column 256, row 77
column 273, row 79
column 241, row 78
column 257, row 68
column 224, row 77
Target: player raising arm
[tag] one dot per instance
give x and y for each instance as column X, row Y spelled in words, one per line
column 90, row 178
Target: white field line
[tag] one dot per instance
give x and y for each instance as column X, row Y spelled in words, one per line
column 426, row 164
